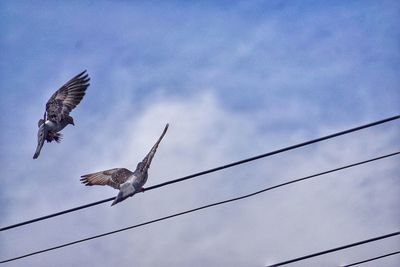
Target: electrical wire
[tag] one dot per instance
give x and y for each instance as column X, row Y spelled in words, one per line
column 335, row 249
column 207, row 171
column 371, row 259
column 201, row 208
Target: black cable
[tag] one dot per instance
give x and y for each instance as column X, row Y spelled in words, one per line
column 200, row 208
column 275, row 152
column 55, row 214
column 206, row 172
column 371, row 259
column 335, row 249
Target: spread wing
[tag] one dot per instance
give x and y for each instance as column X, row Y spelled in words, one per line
column 67, row 97
column 113, row 177
column 149, row 157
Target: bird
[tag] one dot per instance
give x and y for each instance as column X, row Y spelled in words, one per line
column 127, row 182
column 61, row 103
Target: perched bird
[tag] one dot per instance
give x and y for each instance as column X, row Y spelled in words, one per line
column 128, row 183
column 60, row 104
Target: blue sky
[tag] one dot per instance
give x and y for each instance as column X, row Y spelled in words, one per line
column 233, row 79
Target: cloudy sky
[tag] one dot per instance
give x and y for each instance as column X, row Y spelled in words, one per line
column 234, row 80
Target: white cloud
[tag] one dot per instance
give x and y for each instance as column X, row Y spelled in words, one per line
column 232, row 84
column 295, row 220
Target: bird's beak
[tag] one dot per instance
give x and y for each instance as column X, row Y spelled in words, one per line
column 126, row 190
column 119, row 198
column 41, row 137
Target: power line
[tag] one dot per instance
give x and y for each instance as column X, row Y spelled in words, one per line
column 334, row 249
column 276, row 152
column 372, row 259
column 208, row 171
column 200, row 208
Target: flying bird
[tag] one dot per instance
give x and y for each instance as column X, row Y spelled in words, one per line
column 128, row 183
column 60, row 104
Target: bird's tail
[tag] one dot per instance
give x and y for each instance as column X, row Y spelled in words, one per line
column 41, row 137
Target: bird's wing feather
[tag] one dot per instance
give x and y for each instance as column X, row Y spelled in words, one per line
column 112, row 177
column 67, row 97
column 121, row 176
column 149, row 157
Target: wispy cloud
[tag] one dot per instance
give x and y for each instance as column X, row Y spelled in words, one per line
column 232, row 82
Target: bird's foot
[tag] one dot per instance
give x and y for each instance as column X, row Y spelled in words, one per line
column 53, row 136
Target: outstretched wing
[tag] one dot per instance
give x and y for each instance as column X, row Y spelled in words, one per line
column 113, row 177
column 149, row 157
column 67, row 97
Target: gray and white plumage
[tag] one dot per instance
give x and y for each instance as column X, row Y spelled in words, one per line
column 60, row 104
column 128, row 183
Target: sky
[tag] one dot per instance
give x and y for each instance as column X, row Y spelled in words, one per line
column 234, row 79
